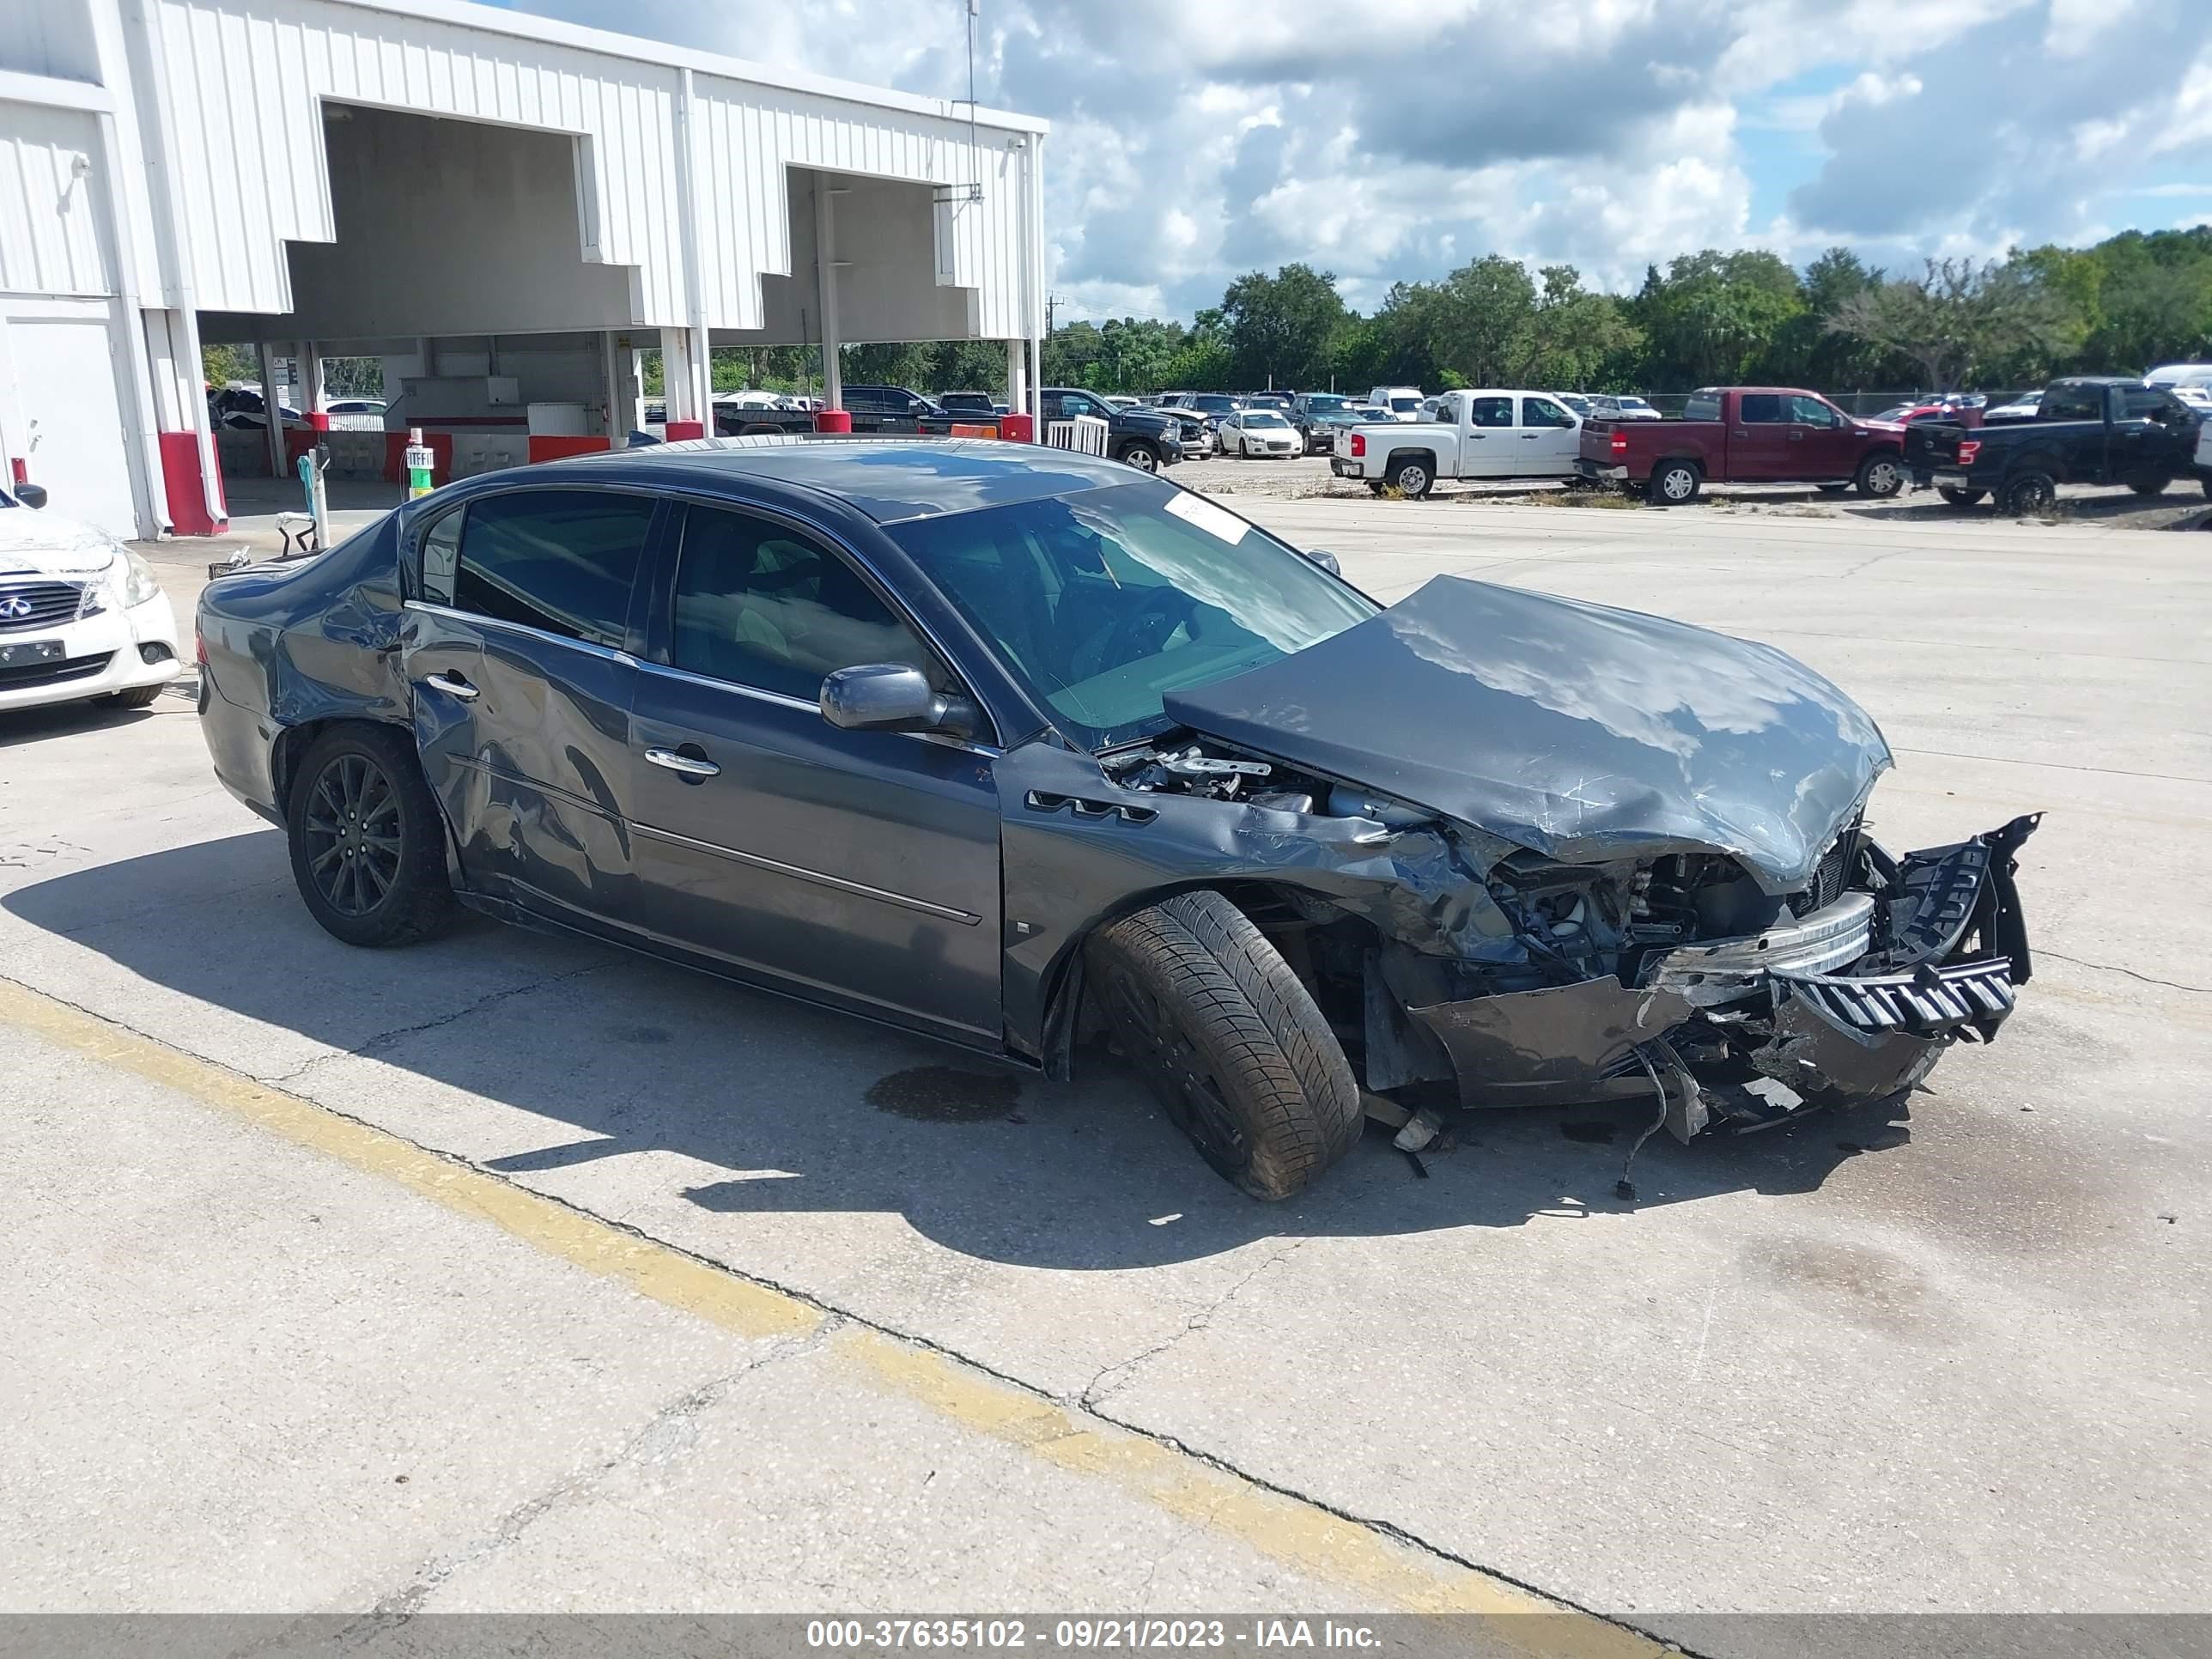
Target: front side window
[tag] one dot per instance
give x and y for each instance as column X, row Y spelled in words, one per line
column 2140, row 402
column 562, row 560
column 1542, row 411
column 1760, row 409
column 1490, row 411
column 758, row 604
column 1811, row 411
column 1101, row 602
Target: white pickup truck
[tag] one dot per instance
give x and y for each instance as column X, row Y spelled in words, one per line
column 1478, row 434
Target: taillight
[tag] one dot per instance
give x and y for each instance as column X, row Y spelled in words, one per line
column 1968, row 449
column 199, row 644
column 1620, row 443
column 1358, row 443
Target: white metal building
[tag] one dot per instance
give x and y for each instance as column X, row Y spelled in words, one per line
column 504, row 208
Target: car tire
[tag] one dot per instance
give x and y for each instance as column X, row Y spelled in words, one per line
column 1958, row 497
column 2032, row 491
column 1376, row 487
column 1142, row 456
column 136, row 697
column 377, row 877
column 1881, row 475
column 2150, row 486
column 1674, row 484
column 1411, row 479
column 1229, row 1040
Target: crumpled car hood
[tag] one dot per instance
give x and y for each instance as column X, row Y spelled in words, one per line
column 1579, row 732
column 46, row 544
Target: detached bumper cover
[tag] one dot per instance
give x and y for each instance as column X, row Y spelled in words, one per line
column 1950, row 952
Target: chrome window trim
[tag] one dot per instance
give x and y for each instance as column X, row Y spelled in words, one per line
column 990, row 751
column 906, row 901
column 499, row 625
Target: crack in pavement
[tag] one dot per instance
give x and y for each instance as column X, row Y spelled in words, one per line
column 384, row 1040
column 643, row 1444
column 2114, row 968
column 1098, row 1389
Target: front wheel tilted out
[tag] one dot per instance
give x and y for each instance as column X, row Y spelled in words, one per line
column 1228, row 1039
column 368, row 846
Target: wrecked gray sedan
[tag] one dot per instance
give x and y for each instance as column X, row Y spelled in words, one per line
column 1007, row 745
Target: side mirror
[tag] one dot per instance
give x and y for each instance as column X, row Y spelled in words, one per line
column 31, row 495
column 1327, row 561
column 892, row 696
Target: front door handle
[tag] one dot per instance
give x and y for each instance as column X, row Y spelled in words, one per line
column 453, row 685
column 691, row 766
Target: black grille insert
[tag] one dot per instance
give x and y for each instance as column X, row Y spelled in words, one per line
column 38, row 604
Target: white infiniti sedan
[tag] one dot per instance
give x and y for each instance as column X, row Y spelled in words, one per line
column 81, row 615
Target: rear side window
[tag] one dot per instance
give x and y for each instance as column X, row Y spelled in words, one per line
column 1490, row 411
column 760, row 605
column 1760, row 409
column 559, row 560
column 1703, row 405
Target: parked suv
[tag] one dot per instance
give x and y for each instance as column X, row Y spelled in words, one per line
column 890, row 402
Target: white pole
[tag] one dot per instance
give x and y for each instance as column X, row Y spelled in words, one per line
column 825, row 265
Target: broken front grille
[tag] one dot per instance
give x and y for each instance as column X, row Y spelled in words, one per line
column 1925, row 1002
column 39, row 605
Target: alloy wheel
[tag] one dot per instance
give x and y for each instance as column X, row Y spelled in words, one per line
column 352, row 835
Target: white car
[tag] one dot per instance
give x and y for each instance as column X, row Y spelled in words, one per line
column 2022, row 407
column 1402, row 402
column 81, row 615
column 1484, row 433
column 1254, row 433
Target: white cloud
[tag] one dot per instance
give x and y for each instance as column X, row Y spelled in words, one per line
column 1397, row 138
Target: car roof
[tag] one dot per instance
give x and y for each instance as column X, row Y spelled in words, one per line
column 886, row 479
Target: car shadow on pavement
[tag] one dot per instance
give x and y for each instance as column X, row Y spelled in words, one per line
column 545, row 1057
column 64, row 719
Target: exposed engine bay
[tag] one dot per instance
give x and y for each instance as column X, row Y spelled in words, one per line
column 1678, row 972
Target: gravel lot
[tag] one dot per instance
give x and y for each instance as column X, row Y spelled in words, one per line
column 1309, row 477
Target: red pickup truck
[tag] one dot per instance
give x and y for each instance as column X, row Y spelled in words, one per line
column 1745, row 434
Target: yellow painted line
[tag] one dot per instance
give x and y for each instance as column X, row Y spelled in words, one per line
column 1286, row 1530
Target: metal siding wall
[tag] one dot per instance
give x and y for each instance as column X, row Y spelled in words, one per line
column 754, row 133
column 53, row 235
column 251, row 179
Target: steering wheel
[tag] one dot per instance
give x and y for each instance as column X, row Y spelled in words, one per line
column 1144, row 628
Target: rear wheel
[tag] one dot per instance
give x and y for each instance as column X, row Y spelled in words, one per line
column 2034, row 491
column 1229, row 1040
column 1957, row 497
column 368, row 846
column 1411, row 479
column 2154, row 485
column 1881, row 475
column 1674, row 484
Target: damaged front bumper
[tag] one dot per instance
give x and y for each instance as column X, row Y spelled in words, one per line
column 1855, row 1001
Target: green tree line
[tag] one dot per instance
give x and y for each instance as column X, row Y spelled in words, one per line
column 2129, row 302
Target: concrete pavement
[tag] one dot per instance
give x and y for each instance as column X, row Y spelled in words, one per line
column 1945, row 1358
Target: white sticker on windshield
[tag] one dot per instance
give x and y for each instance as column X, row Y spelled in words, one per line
column 1214, row 520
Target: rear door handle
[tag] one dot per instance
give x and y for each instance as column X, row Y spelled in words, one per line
column 691, row 766
column 453, row 685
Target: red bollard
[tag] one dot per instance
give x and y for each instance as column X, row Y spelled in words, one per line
column 833, row 420
column 1017, row 428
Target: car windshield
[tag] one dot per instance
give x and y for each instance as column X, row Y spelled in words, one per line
column 1633, row 403
column 1327, row 406
column 1215, row 405
column 1101, row 602
column 1405, row 403
column 1259, row 417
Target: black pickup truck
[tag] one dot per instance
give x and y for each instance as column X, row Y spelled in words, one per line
column 2093, row 429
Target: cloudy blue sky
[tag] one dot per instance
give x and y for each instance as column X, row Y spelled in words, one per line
column 1380, row 139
